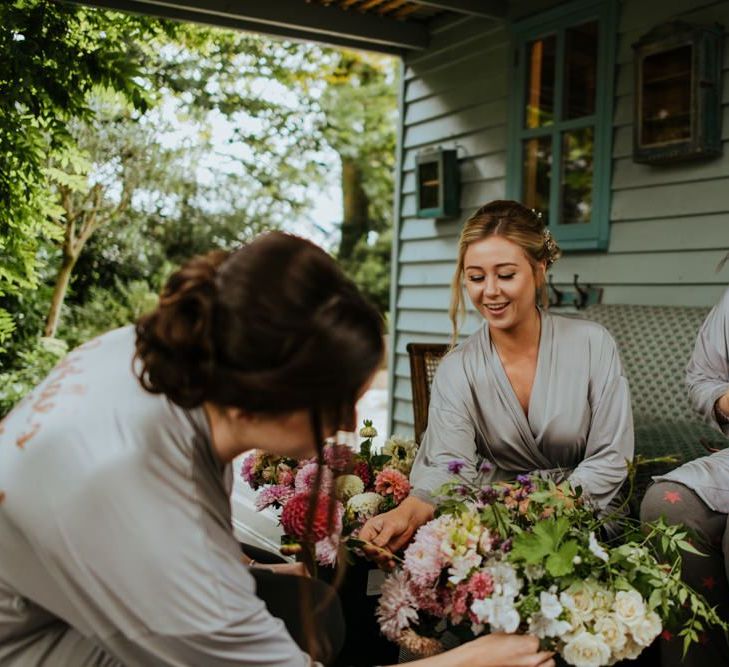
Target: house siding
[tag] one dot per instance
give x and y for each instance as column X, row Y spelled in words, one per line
column 669, row 225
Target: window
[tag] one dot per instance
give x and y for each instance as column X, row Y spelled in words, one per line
column 561, row 122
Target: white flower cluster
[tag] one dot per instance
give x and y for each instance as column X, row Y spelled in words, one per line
column 365, row 505
column 499, row 611
column 605, row 627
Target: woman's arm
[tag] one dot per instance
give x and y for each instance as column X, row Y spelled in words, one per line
column 610, row 439
column 494, row 650
column 707, row 373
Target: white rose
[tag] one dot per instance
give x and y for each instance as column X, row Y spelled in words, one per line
column 580, row 600
column 586, row 650
column 612, row 631
column 630, row 651
column 629, row 608
column 647, row 630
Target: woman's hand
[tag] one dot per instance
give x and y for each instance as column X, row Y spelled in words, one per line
column 294, row 569
column 500, row 650
column 495, row 650
column 393, row 530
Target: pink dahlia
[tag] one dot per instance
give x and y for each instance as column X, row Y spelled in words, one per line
column 327, row 550
column 391, row 482
column 285, row 475
column 305, row 478
column 295, row 516
column 481, row 585
column 397, row 608
column 276, row 495
column 424, row 558
column 247, row 470
column 338, row 457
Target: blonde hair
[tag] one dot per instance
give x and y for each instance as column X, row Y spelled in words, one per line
column 510, row 220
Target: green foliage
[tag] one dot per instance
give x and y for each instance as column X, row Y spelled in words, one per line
column 369, row 267
column 107, row 309
column 33, row 365
column 52, row 55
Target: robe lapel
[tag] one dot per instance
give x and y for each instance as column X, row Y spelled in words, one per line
column 516, row 413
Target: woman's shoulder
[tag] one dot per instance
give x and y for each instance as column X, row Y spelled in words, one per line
column 573, row 328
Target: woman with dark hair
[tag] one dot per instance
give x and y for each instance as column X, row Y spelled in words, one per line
column 529, row 392
column 116, row 545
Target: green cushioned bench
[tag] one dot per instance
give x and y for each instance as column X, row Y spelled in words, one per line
column 656, row 343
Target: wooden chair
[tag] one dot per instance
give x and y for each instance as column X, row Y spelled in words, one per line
column 424, row 360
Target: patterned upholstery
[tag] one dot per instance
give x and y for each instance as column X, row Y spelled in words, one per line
column 655, row 344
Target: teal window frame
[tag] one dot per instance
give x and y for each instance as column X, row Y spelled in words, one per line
column 595, row 234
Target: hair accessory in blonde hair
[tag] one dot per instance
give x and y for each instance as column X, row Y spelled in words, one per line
column 538, row 214
column 551, row 247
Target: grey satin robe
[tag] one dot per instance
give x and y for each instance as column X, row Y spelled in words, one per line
column 707, row 377
column 579, row 425
column 116, row 544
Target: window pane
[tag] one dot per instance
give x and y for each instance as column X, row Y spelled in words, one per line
column 540, row 82
column 580, row 72
column 666, row 112
column 429, row 185
column 537, row 173
column 577, row 161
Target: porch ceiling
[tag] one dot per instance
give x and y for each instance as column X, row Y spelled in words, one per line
column 388, row 26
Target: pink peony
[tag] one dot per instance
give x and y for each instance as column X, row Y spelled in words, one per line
column 397, row 608
column 306, row 477
column 338, row 457
column 295, row 515
column 391, row 482
column 276, row 495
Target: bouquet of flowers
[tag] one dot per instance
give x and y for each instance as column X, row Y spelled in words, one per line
column 351, row 487
column 526, row 557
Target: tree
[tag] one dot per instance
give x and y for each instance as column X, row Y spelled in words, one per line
column 359, row 107
column 51, row 57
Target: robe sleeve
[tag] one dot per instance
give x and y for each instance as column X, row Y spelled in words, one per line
column 450, row 435
column 610, row 440
column 707, row 373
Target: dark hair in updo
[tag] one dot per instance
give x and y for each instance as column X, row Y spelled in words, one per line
column 272, row 327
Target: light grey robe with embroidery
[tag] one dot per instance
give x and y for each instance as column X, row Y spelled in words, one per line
column 579, row 425
column 707, row 377
column 116, row 546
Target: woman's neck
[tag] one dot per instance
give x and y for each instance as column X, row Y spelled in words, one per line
column 524, row 336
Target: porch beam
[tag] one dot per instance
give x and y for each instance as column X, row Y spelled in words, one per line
column 287, row 18
column 488, row 9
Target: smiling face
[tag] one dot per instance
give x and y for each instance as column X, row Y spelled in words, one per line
column 500, row 281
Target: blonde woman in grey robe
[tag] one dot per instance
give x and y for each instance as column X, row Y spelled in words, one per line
column 529, row 392
column 697, row 493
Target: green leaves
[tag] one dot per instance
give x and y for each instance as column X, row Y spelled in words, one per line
column 546, row 545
